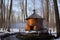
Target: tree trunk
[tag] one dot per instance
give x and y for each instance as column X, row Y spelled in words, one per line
column 23, row 14
column 1, row 13
column 7, row 14
column 47, row 10
column 46, row 15
column 26, row 8
column 57, row 17
column 4, row 16
column 10, row 11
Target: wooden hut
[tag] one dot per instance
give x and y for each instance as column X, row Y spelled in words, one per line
column 34, row 22
column 34, row 29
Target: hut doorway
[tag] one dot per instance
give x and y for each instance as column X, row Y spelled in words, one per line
column 31, row 27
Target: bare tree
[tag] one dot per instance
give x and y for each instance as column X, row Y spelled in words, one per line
column 7, row 13
column 1, row 13
column 46, row 14
column 26, row 8
column 52, row 15
column 10, row 11
column 47, row 9
column 57, row 17
column 23, row 6
column 4, row 15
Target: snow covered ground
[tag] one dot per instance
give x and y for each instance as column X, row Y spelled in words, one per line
column 20, row 27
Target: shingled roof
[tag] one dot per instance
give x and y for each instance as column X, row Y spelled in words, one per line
column 34, row 15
